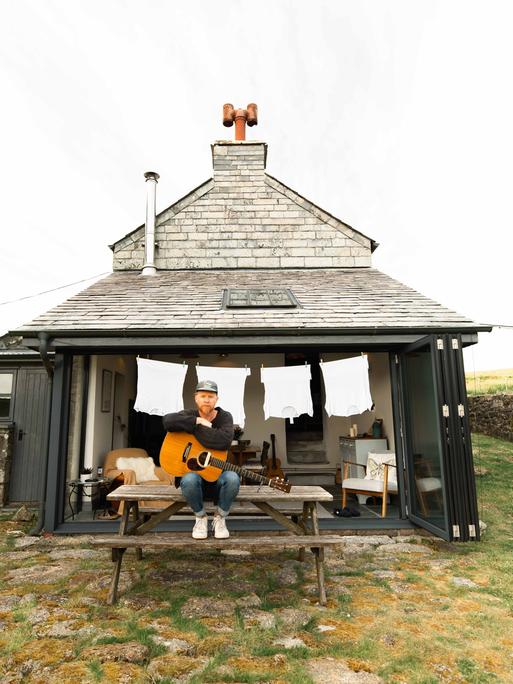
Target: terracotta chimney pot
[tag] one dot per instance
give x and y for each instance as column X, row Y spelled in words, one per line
column 240, row 117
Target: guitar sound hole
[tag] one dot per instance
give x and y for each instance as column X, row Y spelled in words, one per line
column 197, row 462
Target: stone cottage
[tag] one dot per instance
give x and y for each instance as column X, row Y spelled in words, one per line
column 244, row 271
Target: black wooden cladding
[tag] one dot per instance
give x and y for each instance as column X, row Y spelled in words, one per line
column 31, row 421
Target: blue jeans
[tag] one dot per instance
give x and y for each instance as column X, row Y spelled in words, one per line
column 226, row 486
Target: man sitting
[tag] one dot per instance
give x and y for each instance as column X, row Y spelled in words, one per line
column 213, row 428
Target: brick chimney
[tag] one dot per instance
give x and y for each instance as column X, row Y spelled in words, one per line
column 240, row 161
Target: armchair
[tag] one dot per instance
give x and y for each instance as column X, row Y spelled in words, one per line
column 380, row 479
column 121, row 474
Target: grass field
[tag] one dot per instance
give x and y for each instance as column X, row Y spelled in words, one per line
column 442, row 613
column 490, row 382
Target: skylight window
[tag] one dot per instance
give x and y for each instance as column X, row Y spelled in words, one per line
column 259, row 298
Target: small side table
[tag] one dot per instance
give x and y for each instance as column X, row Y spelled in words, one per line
column 87, row 486
column 239, row 455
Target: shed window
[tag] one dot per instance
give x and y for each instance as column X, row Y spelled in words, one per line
column 6, row 394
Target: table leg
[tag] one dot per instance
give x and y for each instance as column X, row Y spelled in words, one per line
column 319, row 555
column 304, row 524
column 117, row 555
column 72, row 490
column 138, row 550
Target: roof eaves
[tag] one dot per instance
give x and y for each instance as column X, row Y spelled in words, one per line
column 453, row 328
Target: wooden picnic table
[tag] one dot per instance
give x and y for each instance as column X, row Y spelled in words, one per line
column 136, row 523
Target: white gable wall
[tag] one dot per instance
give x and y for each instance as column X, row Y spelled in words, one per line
column 244, row 218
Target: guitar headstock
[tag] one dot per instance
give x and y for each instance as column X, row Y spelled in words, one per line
column 280, row 483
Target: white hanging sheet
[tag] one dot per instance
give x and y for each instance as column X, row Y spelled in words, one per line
column 287, row 392
column 346, row 383
column 159, row 387
column 230, row 384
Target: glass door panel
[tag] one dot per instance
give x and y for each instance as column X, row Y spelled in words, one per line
column 423, row 439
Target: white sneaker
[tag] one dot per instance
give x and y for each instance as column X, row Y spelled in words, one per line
column 200, row 529
column 219, row 527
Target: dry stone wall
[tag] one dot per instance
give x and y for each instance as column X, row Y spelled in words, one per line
column 244, row 218
column 492, row 414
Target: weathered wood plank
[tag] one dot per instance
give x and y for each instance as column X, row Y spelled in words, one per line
column 173, row 541
column 248, row 493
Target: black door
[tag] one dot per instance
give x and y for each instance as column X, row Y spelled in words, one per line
column 30, row 437
column 440, row 488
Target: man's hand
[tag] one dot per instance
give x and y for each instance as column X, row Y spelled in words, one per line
column 203, row 421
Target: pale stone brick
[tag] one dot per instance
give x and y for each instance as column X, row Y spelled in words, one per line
column 301, row 251
column 343, row 261
column 319, row 261
column 362, row 261
column 292, row 262
column 223, row 262
column 246, row 262
column 269, row 262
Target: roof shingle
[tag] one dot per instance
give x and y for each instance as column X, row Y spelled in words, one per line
column 333, row 299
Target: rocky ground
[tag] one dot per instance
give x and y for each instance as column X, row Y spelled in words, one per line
column 411, row 610
column 400, row 609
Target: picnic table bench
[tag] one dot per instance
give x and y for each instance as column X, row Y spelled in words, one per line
column 137, row 521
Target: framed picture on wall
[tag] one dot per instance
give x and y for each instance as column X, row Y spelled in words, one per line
column 106, row 390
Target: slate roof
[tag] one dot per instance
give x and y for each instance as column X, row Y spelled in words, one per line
column 342, row 300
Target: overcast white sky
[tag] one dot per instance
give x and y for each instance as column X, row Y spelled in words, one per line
column 395, row 116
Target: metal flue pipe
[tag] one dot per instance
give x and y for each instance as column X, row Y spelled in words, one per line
column 149, row 267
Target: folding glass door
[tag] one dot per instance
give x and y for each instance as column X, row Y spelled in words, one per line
column 435, row 438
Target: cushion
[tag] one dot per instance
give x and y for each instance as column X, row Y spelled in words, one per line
column 144, row 468
column 363, row 485
column 429, row 484
column 376, row 467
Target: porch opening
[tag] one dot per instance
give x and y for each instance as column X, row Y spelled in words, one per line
column 311, row 449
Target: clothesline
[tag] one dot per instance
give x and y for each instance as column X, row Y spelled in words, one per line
column 287, row 392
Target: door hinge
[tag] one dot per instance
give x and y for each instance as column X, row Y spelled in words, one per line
column 461, row 410
column 456, row 531
column 472, row 531
column 439, row 344
column 455, row 344
column 445, row 411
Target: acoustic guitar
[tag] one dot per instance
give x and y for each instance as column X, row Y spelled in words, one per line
column 181, row 453
column 272, row 467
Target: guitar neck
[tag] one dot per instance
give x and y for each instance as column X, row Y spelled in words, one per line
column 225, row 465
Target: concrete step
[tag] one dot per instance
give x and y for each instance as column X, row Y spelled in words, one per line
column 304, row 446
column 305, row 436
column 306, row 456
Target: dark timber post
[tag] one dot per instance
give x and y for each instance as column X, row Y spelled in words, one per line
column 58, row 442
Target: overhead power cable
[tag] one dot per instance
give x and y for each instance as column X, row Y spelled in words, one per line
column 61, row 287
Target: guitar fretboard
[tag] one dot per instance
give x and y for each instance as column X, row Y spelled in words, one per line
column 225, row 465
